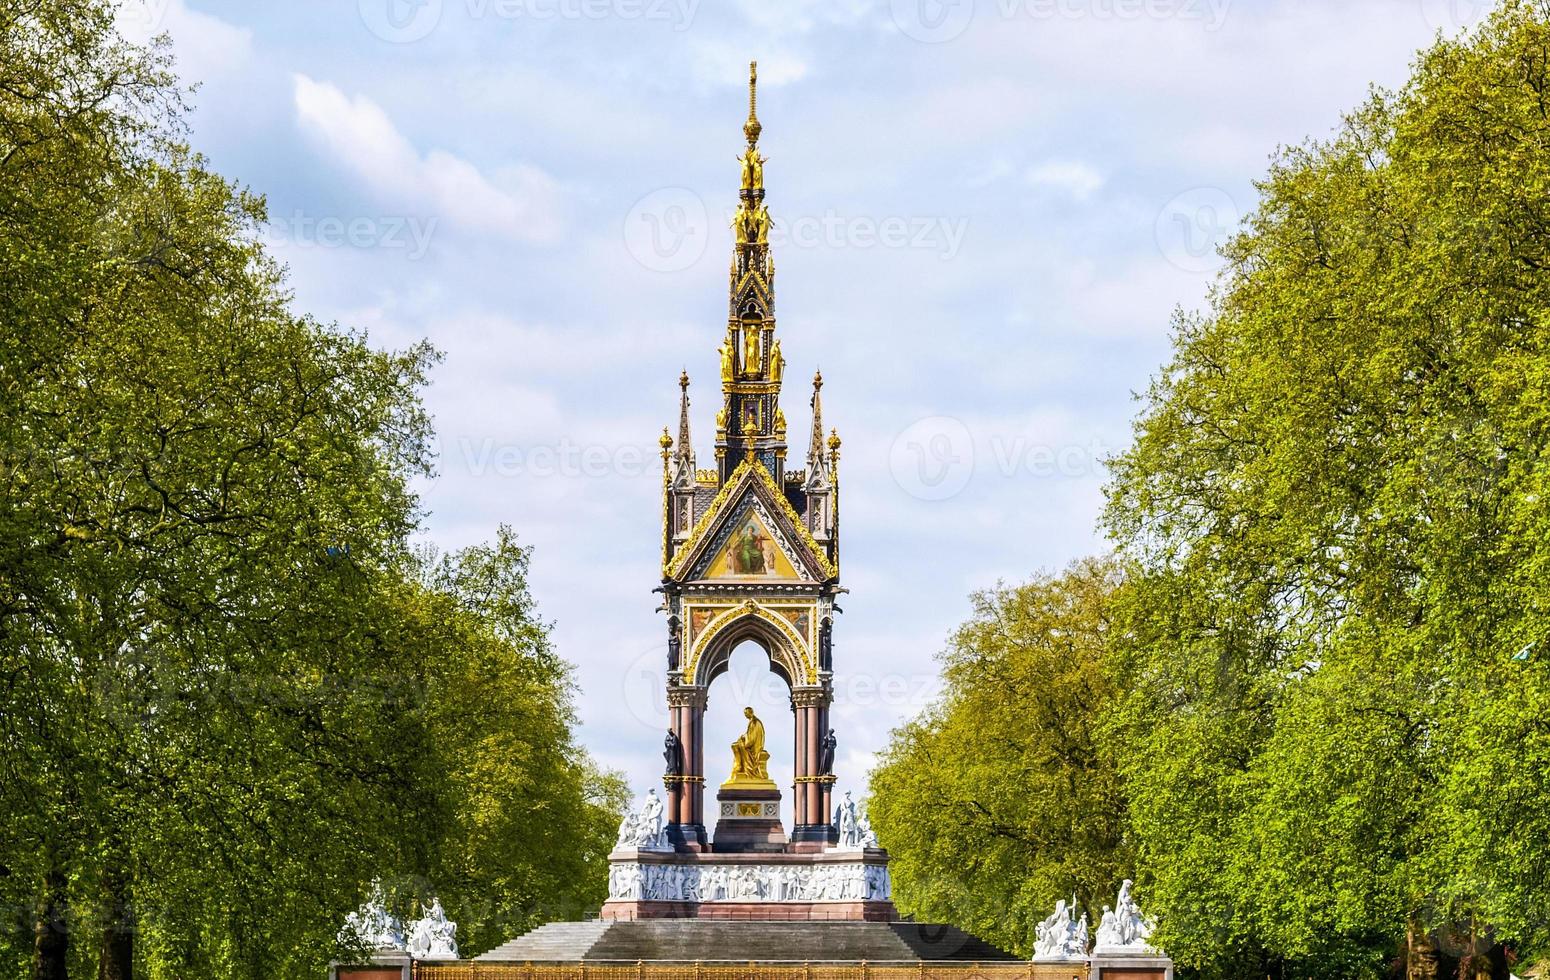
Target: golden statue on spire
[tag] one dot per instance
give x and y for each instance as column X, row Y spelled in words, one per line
column 753, row 163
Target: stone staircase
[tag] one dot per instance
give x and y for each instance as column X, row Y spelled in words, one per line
column 702, row 940
column 557, row 941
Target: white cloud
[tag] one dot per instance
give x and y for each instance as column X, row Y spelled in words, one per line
column 1076, row 179
column 361, row 137
column 206, row 47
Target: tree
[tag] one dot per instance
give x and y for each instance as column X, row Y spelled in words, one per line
column 1334, row 508
column 1002, row 798
column 233, row 691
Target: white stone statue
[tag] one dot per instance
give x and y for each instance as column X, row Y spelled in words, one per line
column 372, row 926
column 864, row 828
column 849, row 823
column 1059, row 938
column 433, row 937
column 1123, row 928
column 645, row 829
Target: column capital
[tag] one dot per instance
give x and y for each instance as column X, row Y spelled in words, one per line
column 686, row 696
column 811, row 697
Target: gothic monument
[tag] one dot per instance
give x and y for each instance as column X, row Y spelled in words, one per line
column 750, row 553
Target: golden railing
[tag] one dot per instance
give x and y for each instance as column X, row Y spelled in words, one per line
column 750, row 971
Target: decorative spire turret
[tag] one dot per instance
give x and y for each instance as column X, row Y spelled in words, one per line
column 751, row 128
column 685, row 447
column 751, row 361
column 815, row 445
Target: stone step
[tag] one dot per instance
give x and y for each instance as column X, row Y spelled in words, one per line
column 563, row 941
column 707, row 940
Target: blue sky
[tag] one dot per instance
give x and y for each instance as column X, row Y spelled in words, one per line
column 986, row 211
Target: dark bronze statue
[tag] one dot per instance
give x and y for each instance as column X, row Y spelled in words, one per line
column 673, row 752
column 826, row 756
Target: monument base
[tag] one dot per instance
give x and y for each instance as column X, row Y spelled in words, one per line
column 1105, row 965
column 749, row 821
column 623, row 910
column 781, row 887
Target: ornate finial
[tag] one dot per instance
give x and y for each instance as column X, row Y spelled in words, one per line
column 666, row 442
column 834, row 442
column 685, row 446
column 817, row 380
column 751, row 128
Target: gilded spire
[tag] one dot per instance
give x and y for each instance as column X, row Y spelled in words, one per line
column 685, row 447
column 815, row 450
column 751, row 128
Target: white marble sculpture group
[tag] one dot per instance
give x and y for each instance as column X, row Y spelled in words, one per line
column 645, row 830
column 1124, row 931
column 1059, row 938
column 432, row 937
column 855, row 827
column 1123, row 927
column 828, row 882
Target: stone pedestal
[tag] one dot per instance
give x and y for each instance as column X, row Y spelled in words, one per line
column 748, row 821
column 1120, row 965
column 386, row 965
column 853, row 886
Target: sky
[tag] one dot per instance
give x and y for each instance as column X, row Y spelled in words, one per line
column 986, row 213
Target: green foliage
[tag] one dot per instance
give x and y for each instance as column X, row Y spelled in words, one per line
column 1002, row 799
column 233, row 693
column 1336, row 509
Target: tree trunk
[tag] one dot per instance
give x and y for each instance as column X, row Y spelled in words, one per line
column 50, row 929
column 117, row 959
column 1421, row 959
